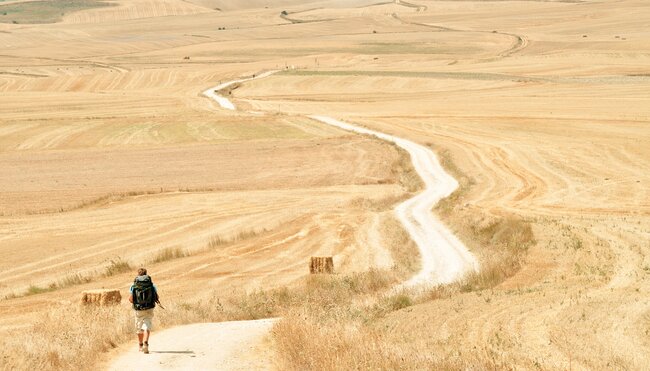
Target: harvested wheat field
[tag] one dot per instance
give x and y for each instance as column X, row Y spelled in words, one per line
column 223, row 144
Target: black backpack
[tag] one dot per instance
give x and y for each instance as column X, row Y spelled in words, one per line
column 144, row 294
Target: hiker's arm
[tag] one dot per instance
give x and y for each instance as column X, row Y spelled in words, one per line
column 131, row 295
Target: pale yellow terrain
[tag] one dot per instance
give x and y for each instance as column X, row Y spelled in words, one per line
column 107, row 150
column 106, row 160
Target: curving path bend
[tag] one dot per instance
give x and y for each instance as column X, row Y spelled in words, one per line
column 238, row 345
column 444, row 257
column 224, row 102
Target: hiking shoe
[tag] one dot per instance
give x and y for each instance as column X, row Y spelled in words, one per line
column 140, row 348
column 145, row 349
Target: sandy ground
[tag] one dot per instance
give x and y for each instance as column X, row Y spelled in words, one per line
column 236, row 345
column 542, row 106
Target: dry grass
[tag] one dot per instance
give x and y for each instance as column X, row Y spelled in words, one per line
column 402, row 172
column 447, row 205
column 67, row 337
column 342, row 331
column 332, row 326
column 328, row 322
column 70, row 337
column 117, row 266
column 35, row 290
column 219, row 241
column 403, row 250
column 344, row 334
column 306, row 344
column 402, row 169
column 505, row 243
column 73, row 280
column 169, row 253
column 500, row 241
column 377, row 204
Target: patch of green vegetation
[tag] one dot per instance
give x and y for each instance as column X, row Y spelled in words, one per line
column 34, row 290
column 45, row 11
column 400, row 301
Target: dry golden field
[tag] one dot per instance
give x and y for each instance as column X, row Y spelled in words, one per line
column 109, row 156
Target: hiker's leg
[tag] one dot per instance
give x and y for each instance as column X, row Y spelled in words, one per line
column 146, row 336
column 141, row 336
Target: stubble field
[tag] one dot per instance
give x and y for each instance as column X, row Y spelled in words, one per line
column 109, row 154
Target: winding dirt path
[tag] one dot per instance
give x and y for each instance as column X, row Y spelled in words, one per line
column 238, row 345
column 520, row 42
column 418, row 8
column 444, row 258
column 224, row 102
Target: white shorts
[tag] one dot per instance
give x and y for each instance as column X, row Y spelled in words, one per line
column 143, row 320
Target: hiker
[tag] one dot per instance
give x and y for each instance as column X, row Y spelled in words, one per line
column 144, row 297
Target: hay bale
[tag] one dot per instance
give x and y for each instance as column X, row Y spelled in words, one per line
column 101, row 297
column 321, row 264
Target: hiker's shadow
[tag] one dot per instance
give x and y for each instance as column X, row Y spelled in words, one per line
column 191, row 352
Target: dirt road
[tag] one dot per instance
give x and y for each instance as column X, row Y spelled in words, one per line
column 234, row 345
column 225, row 102
column 550, row 144
column 444, row 257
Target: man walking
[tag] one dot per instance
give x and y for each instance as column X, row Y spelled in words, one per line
column 144, row 297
